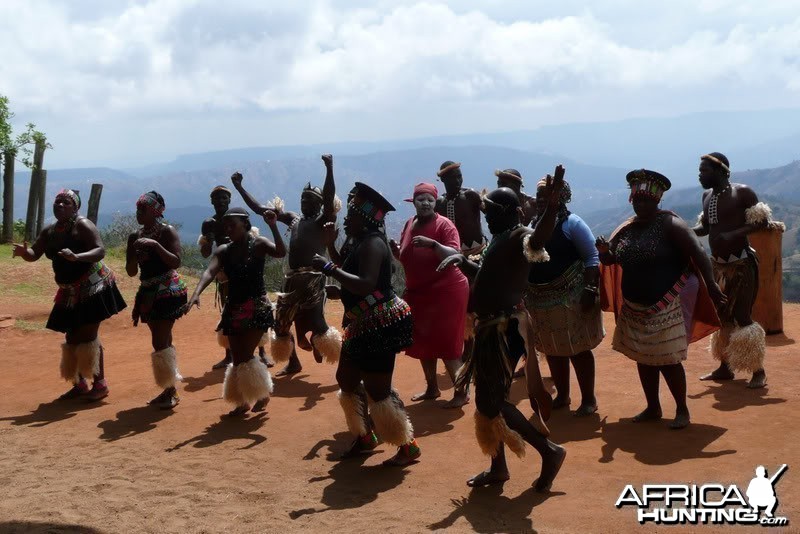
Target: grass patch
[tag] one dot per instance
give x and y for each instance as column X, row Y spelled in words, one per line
column 29, row 326
column 26, row 289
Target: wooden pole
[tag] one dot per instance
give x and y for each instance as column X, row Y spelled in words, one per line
column 94, row 203
column 33, row 193
column 42, row 195
column 768, row 308
column 8, row 196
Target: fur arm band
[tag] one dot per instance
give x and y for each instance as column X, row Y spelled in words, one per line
column 534, row 256
column 254, row 231
column 758, row 215
column 278, row 204
column 202, row 241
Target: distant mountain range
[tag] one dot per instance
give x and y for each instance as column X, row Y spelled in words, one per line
column 600, row 156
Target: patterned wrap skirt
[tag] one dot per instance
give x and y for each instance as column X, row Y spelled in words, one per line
column 159, row 298
column 93, row 298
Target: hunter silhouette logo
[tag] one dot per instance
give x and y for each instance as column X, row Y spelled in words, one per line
column 691, row 504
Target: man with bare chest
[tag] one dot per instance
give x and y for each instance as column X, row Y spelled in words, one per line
column 730, row 213
column 463, row 207
column 503, row 332
column 212, row 234
column 302, row 301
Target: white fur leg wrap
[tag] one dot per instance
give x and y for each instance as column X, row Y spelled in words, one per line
column 747, row 348
column 280, row 347
column 230, row 386
column 222, row 340
column 534, row 256
column 490, row 433
column 88, row 358
column 354, row 407
column 391, row 420
column 328, row 344
column 69, row 363
column 719, row 343
column 165, row 367
column 758, row 214
column 247, row 383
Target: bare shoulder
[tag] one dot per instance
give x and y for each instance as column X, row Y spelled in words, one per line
column 84, row 224
column 208, row 225
column 745, row 194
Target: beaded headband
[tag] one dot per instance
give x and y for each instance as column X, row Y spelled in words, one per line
column 367, row 209
column 151, row 202
column 70, row 195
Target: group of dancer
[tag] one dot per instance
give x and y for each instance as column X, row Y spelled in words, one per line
column 537, row 287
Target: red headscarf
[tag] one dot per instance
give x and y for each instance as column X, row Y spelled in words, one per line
column 424, row 187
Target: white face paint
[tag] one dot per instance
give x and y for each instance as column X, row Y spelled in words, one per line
column 424, row 203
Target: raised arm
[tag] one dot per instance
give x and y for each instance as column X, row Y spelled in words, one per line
column 328, row 190
column 534, row 242
column 278, row 248
column 252, row 203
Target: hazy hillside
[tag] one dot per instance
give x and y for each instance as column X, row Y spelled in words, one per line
column 672, row 145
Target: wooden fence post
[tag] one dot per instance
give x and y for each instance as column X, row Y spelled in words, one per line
column 94, row 203
column 42, row 195
column 33, row 193
column 8, row 195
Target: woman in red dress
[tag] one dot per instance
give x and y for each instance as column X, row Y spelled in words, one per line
column 438, row 300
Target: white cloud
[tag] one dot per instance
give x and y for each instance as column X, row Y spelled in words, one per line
column 178, row 60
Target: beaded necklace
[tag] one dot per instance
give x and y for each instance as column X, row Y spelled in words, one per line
column 451, row 209
column 66, row 226
column 153, row 232
column 713, row 213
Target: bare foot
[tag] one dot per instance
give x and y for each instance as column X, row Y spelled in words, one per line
column 488, row 478
column 759, row 380
column 550, row 468
column 561, row 402
column 647, row 415
column 304, row 344
column 290, row 369
column 681, row 421
column 460, row 398
column 720, row 373
column 429, row 394
column 260, row 406
column 585, row 410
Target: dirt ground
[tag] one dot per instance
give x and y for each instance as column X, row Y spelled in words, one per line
column 121, row 466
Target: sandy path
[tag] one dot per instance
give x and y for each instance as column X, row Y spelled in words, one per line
column 120, row 466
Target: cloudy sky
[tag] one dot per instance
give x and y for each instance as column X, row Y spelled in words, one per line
column 137, row 82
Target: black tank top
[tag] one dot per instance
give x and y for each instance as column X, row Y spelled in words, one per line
column 650, row 263
column 153, row 265
column 562, row 254
column 66, row 271
column 350, row 265
column 245, row 279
